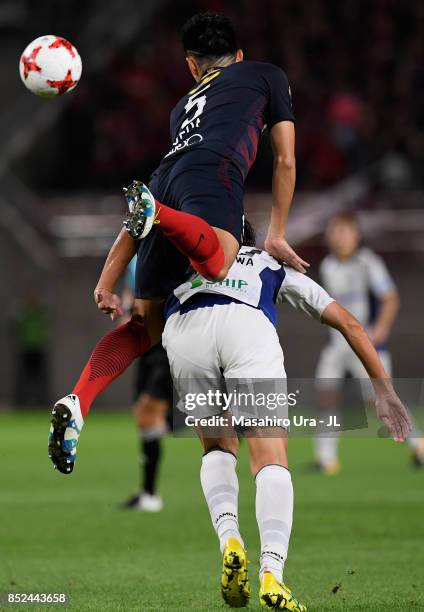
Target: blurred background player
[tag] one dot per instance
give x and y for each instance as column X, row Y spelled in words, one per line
column 360, row 281
column 153, row 389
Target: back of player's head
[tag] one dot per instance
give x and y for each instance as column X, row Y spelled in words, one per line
column 209, row 35
column 249, row 235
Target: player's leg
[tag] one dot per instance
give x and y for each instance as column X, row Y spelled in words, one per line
column 116, row 350
column 274, row 499
column 154, row 394
column 198, row 209
column 326, row 447
column 189, row 340
column 191, row 347
column 150, row 413
column 207, row 251
column 256, row 359
column 274, row 514
column 416, row 443
column 220, row 486
column 212, row 193
column 329, row 375
column 110, row 358
column 211, row 250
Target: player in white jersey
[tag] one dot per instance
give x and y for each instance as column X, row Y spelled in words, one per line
column 225, row 331
column 360, row 281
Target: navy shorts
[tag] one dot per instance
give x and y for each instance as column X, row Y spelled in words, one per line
column 202, row 184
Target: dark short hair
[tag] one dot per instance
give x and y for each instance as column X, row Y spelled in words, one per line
column 249, row 235
column 209, row 35
column 346, row 216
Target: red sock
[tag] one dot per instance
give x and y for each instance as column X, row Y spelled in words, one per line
column 111, row 356
column 195, row 238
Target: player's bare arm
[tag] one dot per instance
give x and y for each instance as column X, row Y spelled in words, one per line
column 283, row 183
column 121, row 253
column 389, row 407
column 388, row 310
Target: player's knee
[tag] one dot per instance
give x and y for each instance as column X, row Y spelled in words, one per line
column 223, row 273
column 219, row 276
column 148, row 420
column 215, row 268
column 258, row 465
column 150, row 412
column 267, row 451
column 227, row 445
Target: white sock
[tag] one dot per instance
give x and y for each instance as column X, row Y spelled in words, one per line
column 220, row 487
column 274, row 514
column 326, row 449
column 415, row 439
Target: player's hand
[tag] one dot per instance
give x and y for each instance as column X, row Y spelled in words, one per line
column 108, row 302
column 282, row 251
column 394, row 415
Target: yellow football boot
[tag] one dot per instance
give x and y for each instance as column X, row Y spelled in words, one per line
column 417, row 457
column 272, row 594
column 235, row 587
column 332, row 468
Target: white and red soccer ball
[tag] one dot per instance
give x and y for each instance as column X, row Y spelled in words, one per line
column 50, row 66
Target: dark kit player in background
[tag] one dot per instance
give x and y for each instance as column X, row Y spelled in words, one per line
column 215, row 130
column 153, row 399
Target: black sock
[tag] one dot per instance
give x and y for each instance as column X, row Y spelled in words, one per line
column 151, row 451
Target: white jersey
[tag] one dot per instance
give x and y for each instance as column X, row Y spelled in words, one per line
column 255, row 279
column 226, row 329
column 351, row 282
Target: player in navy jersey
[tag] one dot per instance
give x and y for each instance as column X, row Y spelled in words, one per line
column 196, row 200
column 196, row 194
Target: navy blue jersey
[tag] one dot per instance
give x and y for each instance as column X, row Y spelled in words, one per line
column 226, row 112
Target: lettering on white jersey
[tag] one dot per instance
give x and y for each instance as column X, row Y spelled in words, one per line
column 246, row 261
column 257, row 279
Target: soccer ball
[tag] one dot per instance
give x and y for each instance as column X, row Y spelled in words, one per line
column 50, row 66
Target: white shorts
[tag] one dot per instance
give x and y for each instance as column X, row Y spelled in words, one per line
column 336, row 361
column 226, row 343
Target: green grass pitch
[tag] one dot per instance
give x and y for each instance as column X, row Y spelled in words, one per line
column 362, row 530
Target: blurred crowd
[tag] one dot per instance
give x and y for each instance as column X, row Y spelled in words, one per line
column 356, row 70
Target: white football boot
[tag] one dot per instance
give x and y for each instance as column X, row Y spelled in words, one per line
column 149, row 503
column 65, row 429
column 141, row 214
